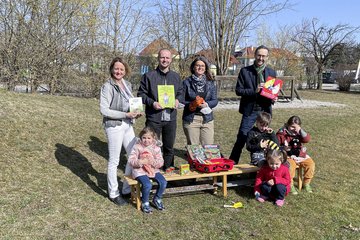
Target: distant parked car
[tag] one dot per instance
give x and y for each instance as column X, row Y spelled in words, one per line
column 329, row 77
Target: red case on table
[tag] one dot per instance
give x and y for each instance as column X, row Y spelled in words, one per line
column 213, row 165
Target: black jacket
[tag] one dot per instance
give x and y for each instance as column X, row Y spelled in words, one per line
column 149, row 92
column 246, row 87
column 254, row 137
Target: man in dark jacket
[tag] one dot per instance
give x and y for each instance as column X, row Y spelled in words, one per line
column 162, row 120
column 249, row 84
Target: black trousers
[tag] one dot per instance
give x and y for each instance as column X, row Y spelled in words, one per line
column 167, row 131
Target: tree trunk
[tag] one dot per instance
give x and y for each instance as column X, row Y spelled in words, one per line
column 319, row 77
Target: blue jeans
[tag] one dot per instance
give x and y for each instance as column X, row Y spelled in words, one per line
column 247, row 122
column 276, row 191
column 146, row 186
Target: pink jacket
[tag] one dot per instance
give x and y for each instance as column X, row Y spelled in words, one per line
column 134, row 158
column 280, row 176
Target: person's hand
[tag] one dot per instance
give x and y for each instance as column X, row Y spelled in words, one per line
column 259, row 87
column 132, row 115
column 176, row 103
column 269, row 130
column 271, row 182
column 297, row 128
column 203, row 105
column 264, row 143
column 144, row 161
column 157, row 106
column 139, row 114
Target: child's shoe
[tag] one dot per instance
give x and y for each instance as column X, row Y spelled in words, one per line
column 308, row 188
column 293, row 190
column 261, row 198
column 158, row 203
column 280, row 202
column 145, row 207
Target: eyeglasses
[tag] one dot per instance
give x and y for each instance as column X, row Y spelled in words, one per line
column 261, row 56
column 200, row 66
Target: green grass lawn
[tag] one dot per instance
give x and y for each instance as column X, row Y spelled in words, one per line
column 53, row 178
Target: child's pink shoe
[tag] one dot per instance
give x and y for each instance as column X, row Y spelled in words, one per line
column 261, row 199
column 279, row 202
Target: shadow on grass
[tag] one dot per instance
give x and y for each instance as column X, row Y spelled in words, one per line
column 101, row 148
column 81, row 167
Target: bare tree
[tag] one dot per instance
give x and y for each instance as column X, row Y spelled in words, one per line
column 39, row 37
column 320, row 41
column 224, row 22
column 284, row 56
column 125, row 25
column 178, row 26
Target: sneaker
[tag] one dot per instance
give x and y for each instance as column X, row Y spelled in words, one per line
column 293, row 190
column 145, row 207
column 261, row 198
column 158, row 204
column 279, row 202
column 118, row 201
column 308, row 188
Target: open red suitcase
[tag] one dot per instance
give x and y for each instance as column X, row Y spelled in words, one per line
column 211, row 164
column 214, row 165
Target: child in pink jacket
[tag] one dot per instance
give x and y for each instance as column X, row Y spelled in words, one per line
column 146, row 160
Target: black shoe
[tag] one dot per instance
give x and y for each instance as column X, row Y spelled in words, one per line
column 158, row 204
column 118, row 201
column 126, row 196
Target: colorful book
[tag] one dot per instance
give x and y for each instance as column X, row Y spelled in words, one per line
column 197, row 152
column 166, row 96
column 136, row 104
column 212, row 151
column 271, row 87
column 184, row 169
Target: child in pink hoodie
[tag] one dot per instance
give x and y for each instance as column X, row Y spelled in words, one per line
column 146, row 160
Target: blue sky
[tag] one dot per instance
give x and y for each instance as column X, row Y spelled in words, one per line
column 329, row 12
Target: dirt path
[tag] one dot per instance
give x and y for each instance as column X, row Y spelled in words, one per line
column 296, row 103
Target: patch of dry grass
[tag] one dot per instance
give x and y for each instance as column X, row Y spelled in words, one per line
column 53, row 178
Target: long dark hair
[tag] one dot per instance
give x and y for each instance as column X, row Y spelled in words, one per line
column 207, row 67
column 293, row 120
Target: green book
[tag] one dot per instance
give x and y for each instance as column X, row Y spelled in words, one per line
column 166, row 96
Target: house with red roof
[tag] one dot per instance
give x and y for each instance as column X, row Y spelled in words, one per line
column 148, row 56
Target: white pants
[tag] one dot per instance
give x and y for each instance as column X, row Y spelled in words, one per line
column 117, row 137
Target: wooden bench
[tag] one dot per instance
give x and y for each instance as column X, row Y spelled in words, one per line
column 237, row 169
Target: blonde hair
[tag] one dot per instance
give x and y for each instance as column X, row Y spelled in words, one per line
column 272, row 154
